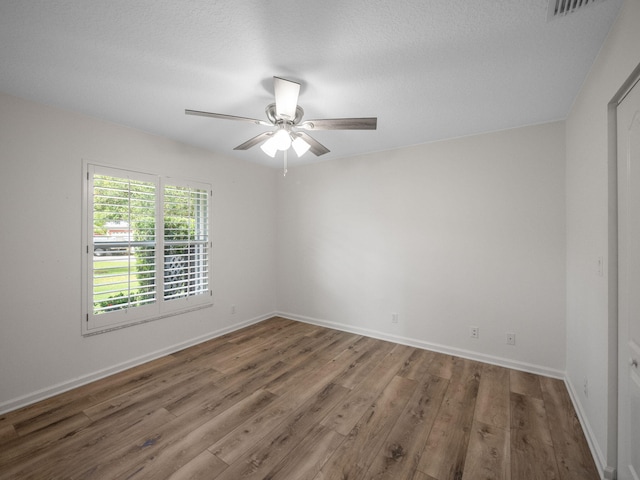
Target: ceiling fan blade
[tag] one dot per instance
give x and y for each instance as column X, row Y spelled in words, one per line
column 227, row 117
column 254, row 141
column 286, row 93
column 316, row 147
column 367, row 123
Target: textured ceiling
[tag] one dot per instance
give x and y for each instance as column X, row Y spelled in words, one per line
column 428, row 69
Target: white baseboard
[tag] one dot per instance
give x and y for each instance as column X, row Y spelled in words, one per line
column 607, row 472
column 503, row 362
column 62, row 387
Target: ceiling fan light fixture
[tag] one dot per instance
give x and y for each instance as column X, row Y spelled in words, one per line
column 300, row 146
column 269, row 147
column 282, row 139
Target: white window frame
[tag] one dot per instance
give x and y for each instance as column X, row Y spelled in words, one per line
column 161, row 308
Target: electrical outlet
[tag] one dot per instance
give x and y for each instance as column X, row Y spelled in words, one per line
column 394, row 318
column 233, row 309
column 474, row 332
column 511, row 338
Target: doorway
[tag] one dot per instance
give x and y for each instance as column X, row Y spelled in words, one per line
column 628, row 154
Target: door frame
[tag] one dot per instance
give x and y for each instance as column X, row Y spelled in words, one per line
column 613, row 273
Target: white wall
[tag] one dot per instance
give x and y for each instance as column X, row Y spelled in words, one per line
column 591, row 300
column 41, row 154
column 453, row 234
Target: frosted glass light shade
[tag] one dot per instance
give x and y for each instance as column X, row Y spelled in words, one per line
column 269, row 147
column 300, row 146
column 282, row 140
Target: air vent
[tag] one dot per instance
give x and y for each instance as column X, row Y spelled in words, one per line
column 559, row 8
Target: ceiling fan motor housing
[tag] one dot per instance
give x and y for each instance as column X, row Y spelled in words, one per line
column 276, row 119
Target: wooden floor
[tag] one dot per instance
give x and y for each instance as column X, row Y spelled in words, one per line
column 286, row 400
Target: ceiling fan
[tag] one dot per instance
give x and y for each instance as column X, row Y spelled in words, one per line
column 286, row 116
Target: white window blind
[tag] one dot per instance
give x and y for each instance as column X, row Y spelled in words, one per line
column 124, row 212
column 148, row 247
column 186, row 238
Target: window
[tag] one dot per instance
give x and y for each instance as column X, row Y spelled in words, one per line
column 148, row 248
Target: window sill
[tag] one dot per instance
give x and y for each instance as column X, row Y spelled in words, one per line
column 147, row 320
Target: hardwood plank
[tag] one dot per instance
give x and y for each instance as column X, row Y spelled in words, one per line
column 271, row 327
column 264, row 458
column 305, row 461
column 323, row 349
column 7, row 433
column 251, row 342
column 441, row 365
column 27, row 446
column 204, row 350
column 341, row 341
column 525, row 383
column 316, row 368
column 216, row 352
column 232, row 387
column 232, row 446
column 310, row 361
column 492, row 404
column 400, row 456
column 293, row 377
column 445, row 452
column 369, row 353
column 416, row 367
column 345, row 416
column 322, row 331
column 56, row 413
column 532, row 455
column 177, row 443
column 81, row 452
column 422, row 476
column 488, row 455
column 355, row 454
column 111, row 429
column 146, row 398
column 204, row 467
column 73, row 401
column 249, row 433
column 570, row 445
column 251, row 352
